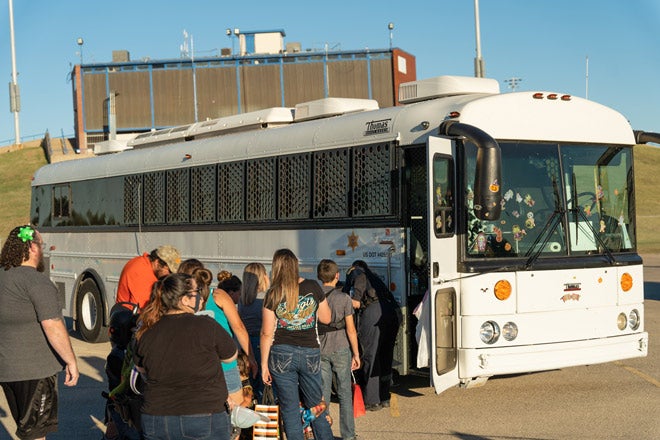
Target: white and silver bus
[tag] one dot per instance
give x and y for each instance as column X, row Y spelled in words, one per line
column 510, row 217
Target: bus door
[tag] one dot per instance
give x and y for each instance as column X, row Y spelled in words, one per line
column 442, row 300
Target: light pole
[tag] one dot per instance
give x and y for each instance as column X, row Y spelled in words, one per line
column 390, row 26
column 513, row 83
column 479, row 65
column 14, row 93
column 80, row 44
column 231, row 34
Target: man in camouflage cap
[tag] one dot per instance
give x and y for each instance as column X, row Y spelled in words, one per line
column 141, row 272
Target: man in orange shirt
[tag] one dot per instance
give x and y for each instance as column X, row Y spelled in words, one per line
column 140, row 273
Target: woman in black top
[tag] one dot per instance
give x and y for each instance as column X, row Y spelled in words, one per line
column 185, row 391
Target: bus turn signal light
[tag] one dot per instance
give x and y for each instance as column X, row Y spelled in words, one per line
column 626, row 282
column 502, row 290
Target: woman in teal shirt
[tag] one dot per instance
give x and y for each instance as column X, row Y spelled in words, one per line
column 226, row 314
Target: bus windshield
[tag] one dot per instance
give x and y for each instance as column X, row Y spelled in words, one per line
column 558, row 199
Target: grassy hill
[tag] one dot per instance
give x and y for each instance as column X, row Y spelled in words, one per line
column 17, row 168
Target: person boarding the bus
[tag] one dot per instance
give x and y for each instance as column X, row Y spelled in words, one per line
column 35, row 341
column 378, row 327
column 140, row 273
column 340, row 353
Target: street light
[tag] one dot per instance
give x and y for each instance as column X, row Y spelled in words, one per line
column 232, row 33
column 513, row 83
column 390, row 26
column 80, row 43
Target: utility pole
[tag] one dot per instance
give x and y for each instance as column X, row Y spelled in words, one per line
column 14, row 92
column 479, row 65
column 586, row 93
column 390, row 26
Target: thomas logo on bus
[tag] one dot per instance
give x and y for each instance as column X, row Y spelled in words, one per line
column 378, row 127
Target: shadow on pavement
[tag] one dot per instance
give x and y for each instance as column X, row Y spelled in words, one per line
column 652, row 291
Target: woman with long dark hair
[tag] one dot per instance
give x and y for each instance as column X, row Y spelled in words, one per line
column 181, row 354
column 253, row 291
column 290, row 352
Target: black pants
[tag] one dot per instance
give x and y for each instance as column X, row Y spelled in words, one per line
column 378, row 327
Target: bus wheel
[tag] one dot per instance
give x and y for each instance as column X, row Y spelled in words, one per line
column 89, row 312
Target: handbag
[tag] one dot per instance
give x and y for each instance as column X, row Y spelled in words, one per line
column 358, row 402
column 268, row 407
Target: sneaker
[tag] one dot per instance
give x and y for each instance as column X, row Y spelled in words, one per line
column 244, row 417
column 385, row 403
column 374, row 407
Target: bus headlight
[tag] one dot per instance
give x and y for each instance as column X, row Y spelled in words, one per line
column 510, row 331
column 489, row 332
column 633, row 320
column 621, row 321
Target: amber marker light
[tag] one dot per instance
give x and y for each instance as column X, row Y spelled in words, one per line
column 565, row 97
column 537, row 95
column 392, row 286
column 626, row 282
column 502, row 290
column 552, row 96
column 340, row 252
column 454, row 115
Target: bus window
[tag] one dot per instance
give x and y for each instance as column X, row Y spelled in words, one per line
column 443, row 190
column 530, row 221
column 598, row 188
column 61, row 201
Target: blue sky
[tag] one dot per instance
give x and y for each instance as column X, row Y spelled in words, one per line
column 544, row 42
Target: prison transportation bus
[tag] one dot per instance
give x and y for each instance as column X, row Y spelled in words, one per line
column 508, row 218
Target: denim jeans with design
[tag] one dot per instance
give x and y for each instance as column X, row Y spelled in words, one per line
column 296, row 373
column 194, row 427
column 339, row 362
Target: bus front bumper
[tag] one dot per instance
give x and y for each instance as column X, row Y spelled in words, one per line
column 521, row 359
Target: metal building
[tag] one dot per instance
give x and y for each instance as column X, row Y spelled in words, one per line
column 127, row 97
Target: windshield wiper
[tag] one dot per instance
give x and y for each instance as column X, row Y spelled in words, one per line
column 548, row 228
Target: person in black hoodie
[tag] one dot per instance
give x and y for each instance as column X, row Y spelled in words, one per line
column 378, row 325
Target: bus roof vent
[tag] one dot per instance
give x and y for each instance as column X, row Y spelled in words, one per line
column 442, row 86
column 270, row 117
column 323, row 108
column 110, row 146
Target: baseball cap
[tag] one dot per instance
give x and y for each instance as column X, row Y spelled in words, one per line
column 170, row 255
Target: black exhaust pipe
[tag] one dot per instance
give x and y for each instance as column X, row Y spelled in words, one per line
column 488, row 175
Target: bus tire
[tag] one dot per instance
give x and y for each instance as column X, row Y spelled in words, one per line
column 89, row 312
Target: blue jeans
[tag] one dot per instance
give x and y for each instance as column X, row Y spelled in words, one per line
column 188, row 427
column 296, row 373
column 339, row 362
column 257, row 382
